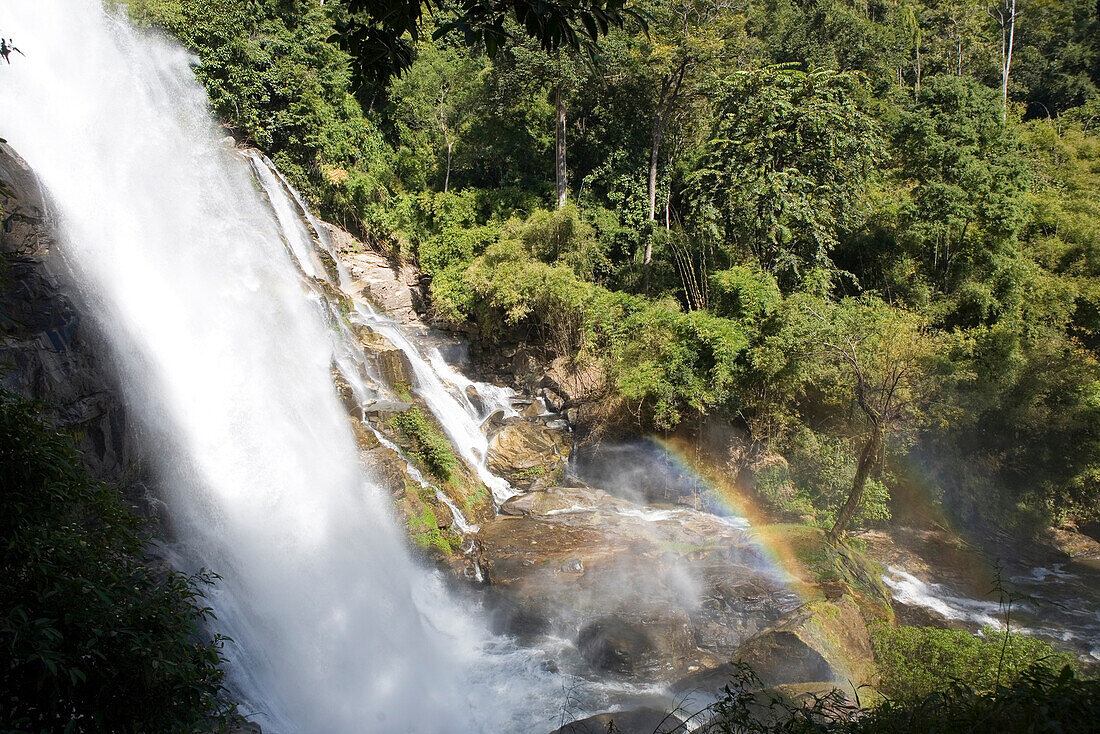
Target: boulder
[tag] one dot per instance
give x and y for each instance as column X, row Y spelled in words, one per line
column 823, row 643
column 633, row 721
column 628, row 648
column 389, row 364
column 646, row 593
column 529, row 454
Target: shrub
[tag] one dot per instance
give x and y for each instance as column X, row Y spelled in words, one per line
column 1040, row 699
column 96, row 640
column 913, row 662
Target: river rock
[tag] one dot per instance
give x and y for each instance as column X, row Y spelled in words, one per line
column 625, row 647
column 633, row 721
column 642, row 591
column 822, row 643
column 529, row 454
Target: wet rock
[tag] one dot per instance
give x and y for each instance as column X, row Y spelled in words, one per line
column 646, row 593
column 529, row 454
column 822, row 642
column 475, row 399
column 346, row 394
column 631, row 648
column 389, row 364
column 634, row 721
column 383, row 408
column 49, row 351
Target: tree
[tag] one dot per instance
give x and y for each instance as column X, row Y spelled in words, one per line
column 381, row 34
column 431, row 109
column 787, row 167
column 885, row 359
column 963, row 180
column 96, row 637
column 1005, row 17
column 686, row 37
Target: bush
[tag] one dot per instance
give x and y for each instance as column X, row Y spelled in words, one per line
column 1040, row 699
column 96, row 640
column 913, row 662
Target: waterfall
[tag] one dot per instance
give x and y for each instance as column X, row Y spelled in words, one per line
column 225, row 355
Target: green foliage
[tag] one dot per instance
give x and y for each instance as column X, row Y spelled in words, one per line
column 915, row 662
column 425, row 532
column 821, row 470
column 96, row 640
column 430, row 446
column 378, row 32
column 787, row 165
column 1039, row 699
column 745, row 293
column 853, row 160
column 773, row 487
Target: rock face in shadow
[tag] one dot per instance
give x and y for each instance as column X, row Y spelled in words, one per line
column 644, row 593
column 49, row 352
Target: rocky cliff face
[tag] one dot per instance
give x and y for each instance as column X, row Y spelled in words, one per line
column 48, row 351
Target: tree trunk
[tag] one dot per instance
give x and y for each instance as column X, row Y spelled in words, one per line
column 447, row 177
column 559, row 147
column 859, row 482
column 666, row 102
column 658, row 133
column 1008, row 61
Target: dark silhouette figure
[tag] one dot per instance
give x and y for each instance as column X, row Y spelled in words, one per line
column 6, row 47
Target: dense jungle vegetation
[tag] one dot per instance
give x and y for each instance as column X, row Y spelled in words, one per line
column 865, row 234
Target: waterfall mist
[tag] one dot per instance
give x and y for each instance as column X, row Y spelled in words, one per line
column 225, row 357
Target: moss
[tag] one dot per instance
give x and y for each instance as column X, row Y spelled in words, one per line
column 429, row 446
column 426, row 533
column 530, row 472
column 403, row 390
column 470, row 493
column 819, row 562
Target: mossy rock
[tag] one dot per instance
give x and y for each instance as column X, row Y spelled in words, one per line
column 829, row 570
column 822, row 644
column 529, row 454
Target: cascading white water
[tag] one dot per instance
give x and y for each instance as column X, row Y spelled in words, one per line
column 225, row 356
